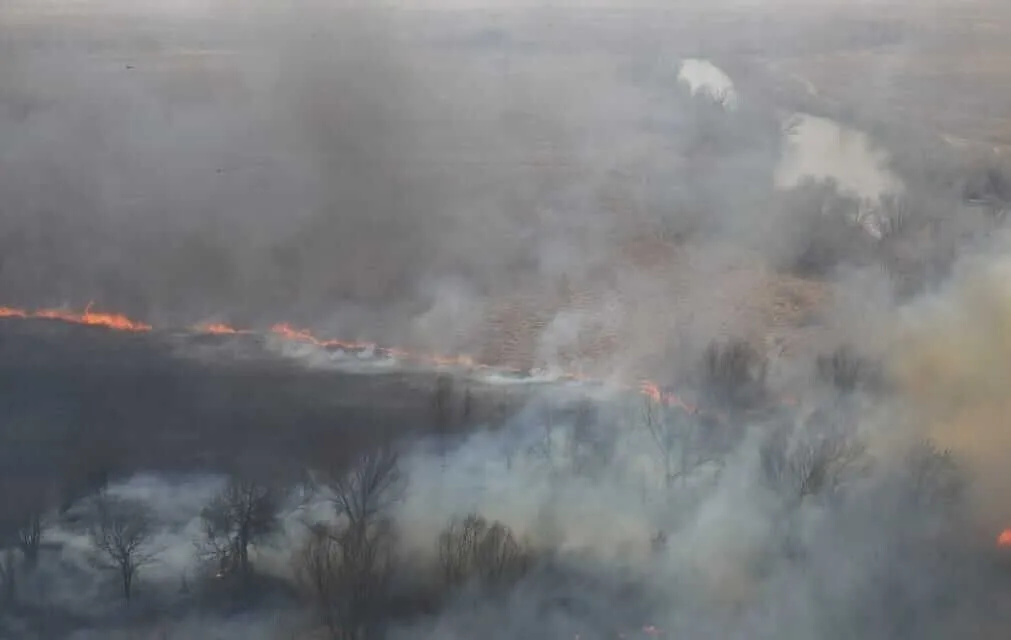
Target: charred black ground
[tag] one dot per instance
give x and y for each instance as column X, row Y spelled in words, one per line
column 177, row 401
column 792, row 216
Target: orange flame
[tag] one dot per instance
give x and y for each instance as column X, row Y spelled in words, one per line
column 115, row 321
column 8, row 312
column 652, row 390
column 288, row 332
column 120, row 322
column 1004, row 539
column 217, row 328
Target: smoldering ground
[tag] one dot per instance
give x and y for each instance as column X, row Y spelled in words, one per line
column 950, row 363
column 395, row 176
column 636, row 520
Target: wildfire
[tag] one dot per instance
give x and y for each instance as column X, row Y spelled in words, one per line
column 115, row 321
column 120, row 322
column 1004, row 539
column 652, row 390
column 7, row 312
column 220, row 329
column 286, row 331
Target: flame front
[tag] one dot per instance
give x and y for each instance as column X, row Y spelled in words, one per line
column 219, row 329
column 288, row 332
column 8, row 312
column 120, row 322
column 115, row 321
column 652, row 390
column 1004, row 539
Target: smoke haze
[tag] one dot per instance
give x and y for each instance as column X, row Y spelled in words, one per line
column 951, row 363
column 789, row 218
column 370, row 172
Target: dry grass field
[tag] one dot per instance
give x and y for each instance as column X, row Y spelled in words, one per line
column 938, row 71
column 945, row 69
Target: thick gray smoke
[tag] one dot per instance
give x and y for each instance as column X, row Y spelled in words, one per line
column 410, row 177
column 179, row 168
column 615, row 192
column 332, row 165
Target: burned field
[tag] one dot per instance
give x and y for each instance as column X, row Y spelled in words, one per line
column 195, row 426
column 172, row 402
column 389, row 323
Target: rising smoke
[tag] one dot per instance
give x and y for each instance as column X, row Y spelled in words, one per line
column 365, row 172
column 539, row 188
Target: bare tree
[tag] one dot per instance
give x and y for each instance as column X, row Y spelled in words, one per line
column 590, row 448
column 245, row 512
column 8, row 545
column 733, row 373
column 346, row 574
column 823, row 228
column 8, row 578
column 472, row 549
column 933, row 476
column 843, row 369
column 373, row 485
column 346, row 567
column 26, row 503
column 679, row 443
column 654, row 420
column 544, row 447
column 22, row 532
column 33, row 503
column 812, row 460
column 318, row 573
column 30, row 538
column 897, row 218
column 121, row 531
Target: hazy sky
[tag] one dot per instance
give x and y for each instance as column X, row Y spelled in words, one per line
column 199, row 6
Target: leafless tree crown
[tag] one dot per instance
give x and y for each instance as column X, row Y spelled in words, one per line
column 471, row 548
column 733, row 373
column 243, row 513
column 813, row 460
column 121, row 531
column 345, row 566
column 369, row 489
